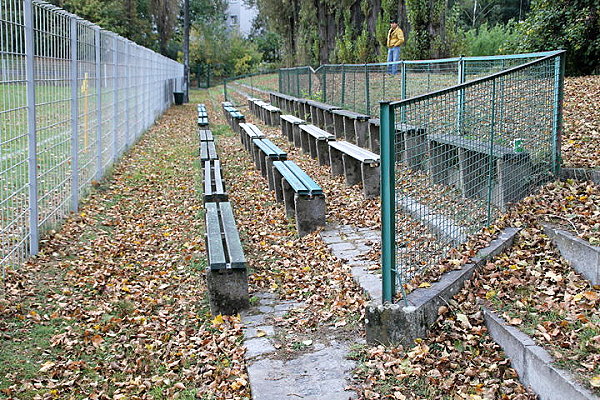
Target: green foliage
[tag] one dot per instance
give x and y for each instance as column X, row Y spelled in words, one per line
column 487, row 41
column 427, row 18
column 573, row 25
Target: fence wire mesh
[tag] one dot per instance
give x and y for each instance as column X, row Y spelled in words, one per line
column 360, row 87
column 73, row 98
column 460, row 156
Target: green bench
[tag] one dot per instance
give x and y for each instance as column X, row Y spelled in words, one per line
column 290, row 125
column 249, row 132
column 208, row 151
column 205, row 135
column 314, row 140
column 214, row 186
column 227, row 278
column 303, row 198
column 202, row 115
column 264, row 153
column 358, row 165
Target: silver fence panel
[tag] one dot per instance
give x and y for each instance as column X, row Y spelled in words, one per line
column 73, row 98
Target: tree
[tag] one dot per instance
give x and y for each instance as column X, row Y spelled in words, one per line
column 164, row 13
column 573, row 25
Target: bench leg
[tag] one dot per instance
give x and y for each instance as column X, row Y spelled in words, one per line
column 328, row 124
column 350, row 131
column 415, row 149
column 227, row 291
column 441, row 157
column 278, row 185
column 371, row 180
column 297, row 136
column 269, row 172
column 312, row 146
column 288, row 198
column 323, row 152
column 262, row 160
column 351, row 170
column 473, row 169
column 256, row 156
column 314, row 116
column 338, row 127
column 304, row 141
column 374, row 138
column 336, row 162
column 361, row 128
column 310, row 213
column 290, row 131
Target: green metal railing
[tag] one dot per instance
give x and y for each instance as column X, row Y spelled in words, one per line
column 454, row 159
column 256, row 84
column 360, row 87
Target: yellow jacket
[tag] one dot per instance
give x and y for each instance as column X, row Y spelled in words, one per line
column 395, row 37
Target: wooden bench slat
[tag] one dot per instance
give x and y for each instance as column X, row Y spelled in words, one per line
column 351, row 114
column 355, row 151
column 214, row 241
column 208, row 151
column 311, row 185
column 292, row 119
column 317, row 132
column 269, row 148
column 232, row 238
column 206, row 135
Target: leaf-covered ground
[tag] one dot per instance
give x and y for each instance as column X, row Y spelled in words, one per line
column 115, row 304
column 581, row 141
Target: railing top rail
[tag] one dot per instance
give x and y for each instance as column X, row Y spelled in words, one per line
column 474, row 82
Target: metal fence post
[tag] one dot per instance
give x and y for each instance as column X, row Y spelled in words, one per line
column 403, row 92
column 225, row 89
column 99, row 169
column 279, row 80
column 461, row 97
column 559, row 77
column 309, row 72
column 388, row 240
column 127, row 94
column 31, row 127
column 367, row 91
column 343, row 94
column 324, row 84
column 115, row 99
column 74, row 118
column 491, row 152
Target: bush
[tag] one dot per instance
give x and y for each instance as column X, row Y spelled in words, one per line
column 487, row 41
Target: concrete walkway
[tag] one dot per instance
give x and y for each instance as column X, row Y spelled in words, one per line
column 319, row 369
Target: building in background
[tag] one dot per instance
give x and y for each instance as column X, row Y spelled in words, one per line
column 240, row 16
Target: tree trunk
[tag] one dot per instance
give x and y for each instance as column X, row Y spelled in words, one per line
column 186, row 50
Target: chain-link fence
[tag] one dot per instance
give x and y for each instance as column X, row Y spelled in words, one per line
column 73, row 98
column 452, row 160
column 360, row 87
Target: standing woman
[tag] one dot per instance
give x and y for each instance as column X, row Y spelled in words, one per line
column 395, row 39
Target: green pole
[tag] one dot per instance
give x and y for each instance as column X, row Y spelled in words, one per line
column 309, row 82
column 559, row 77
column 343, row 94
column 207, row 76
column 225, row 88
column 403, row 93
column 461, row 96
column 367, row 91
column 388, row 198
column 297, row 83
column 324, row 86
column 490, row 156
column 279, row 80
